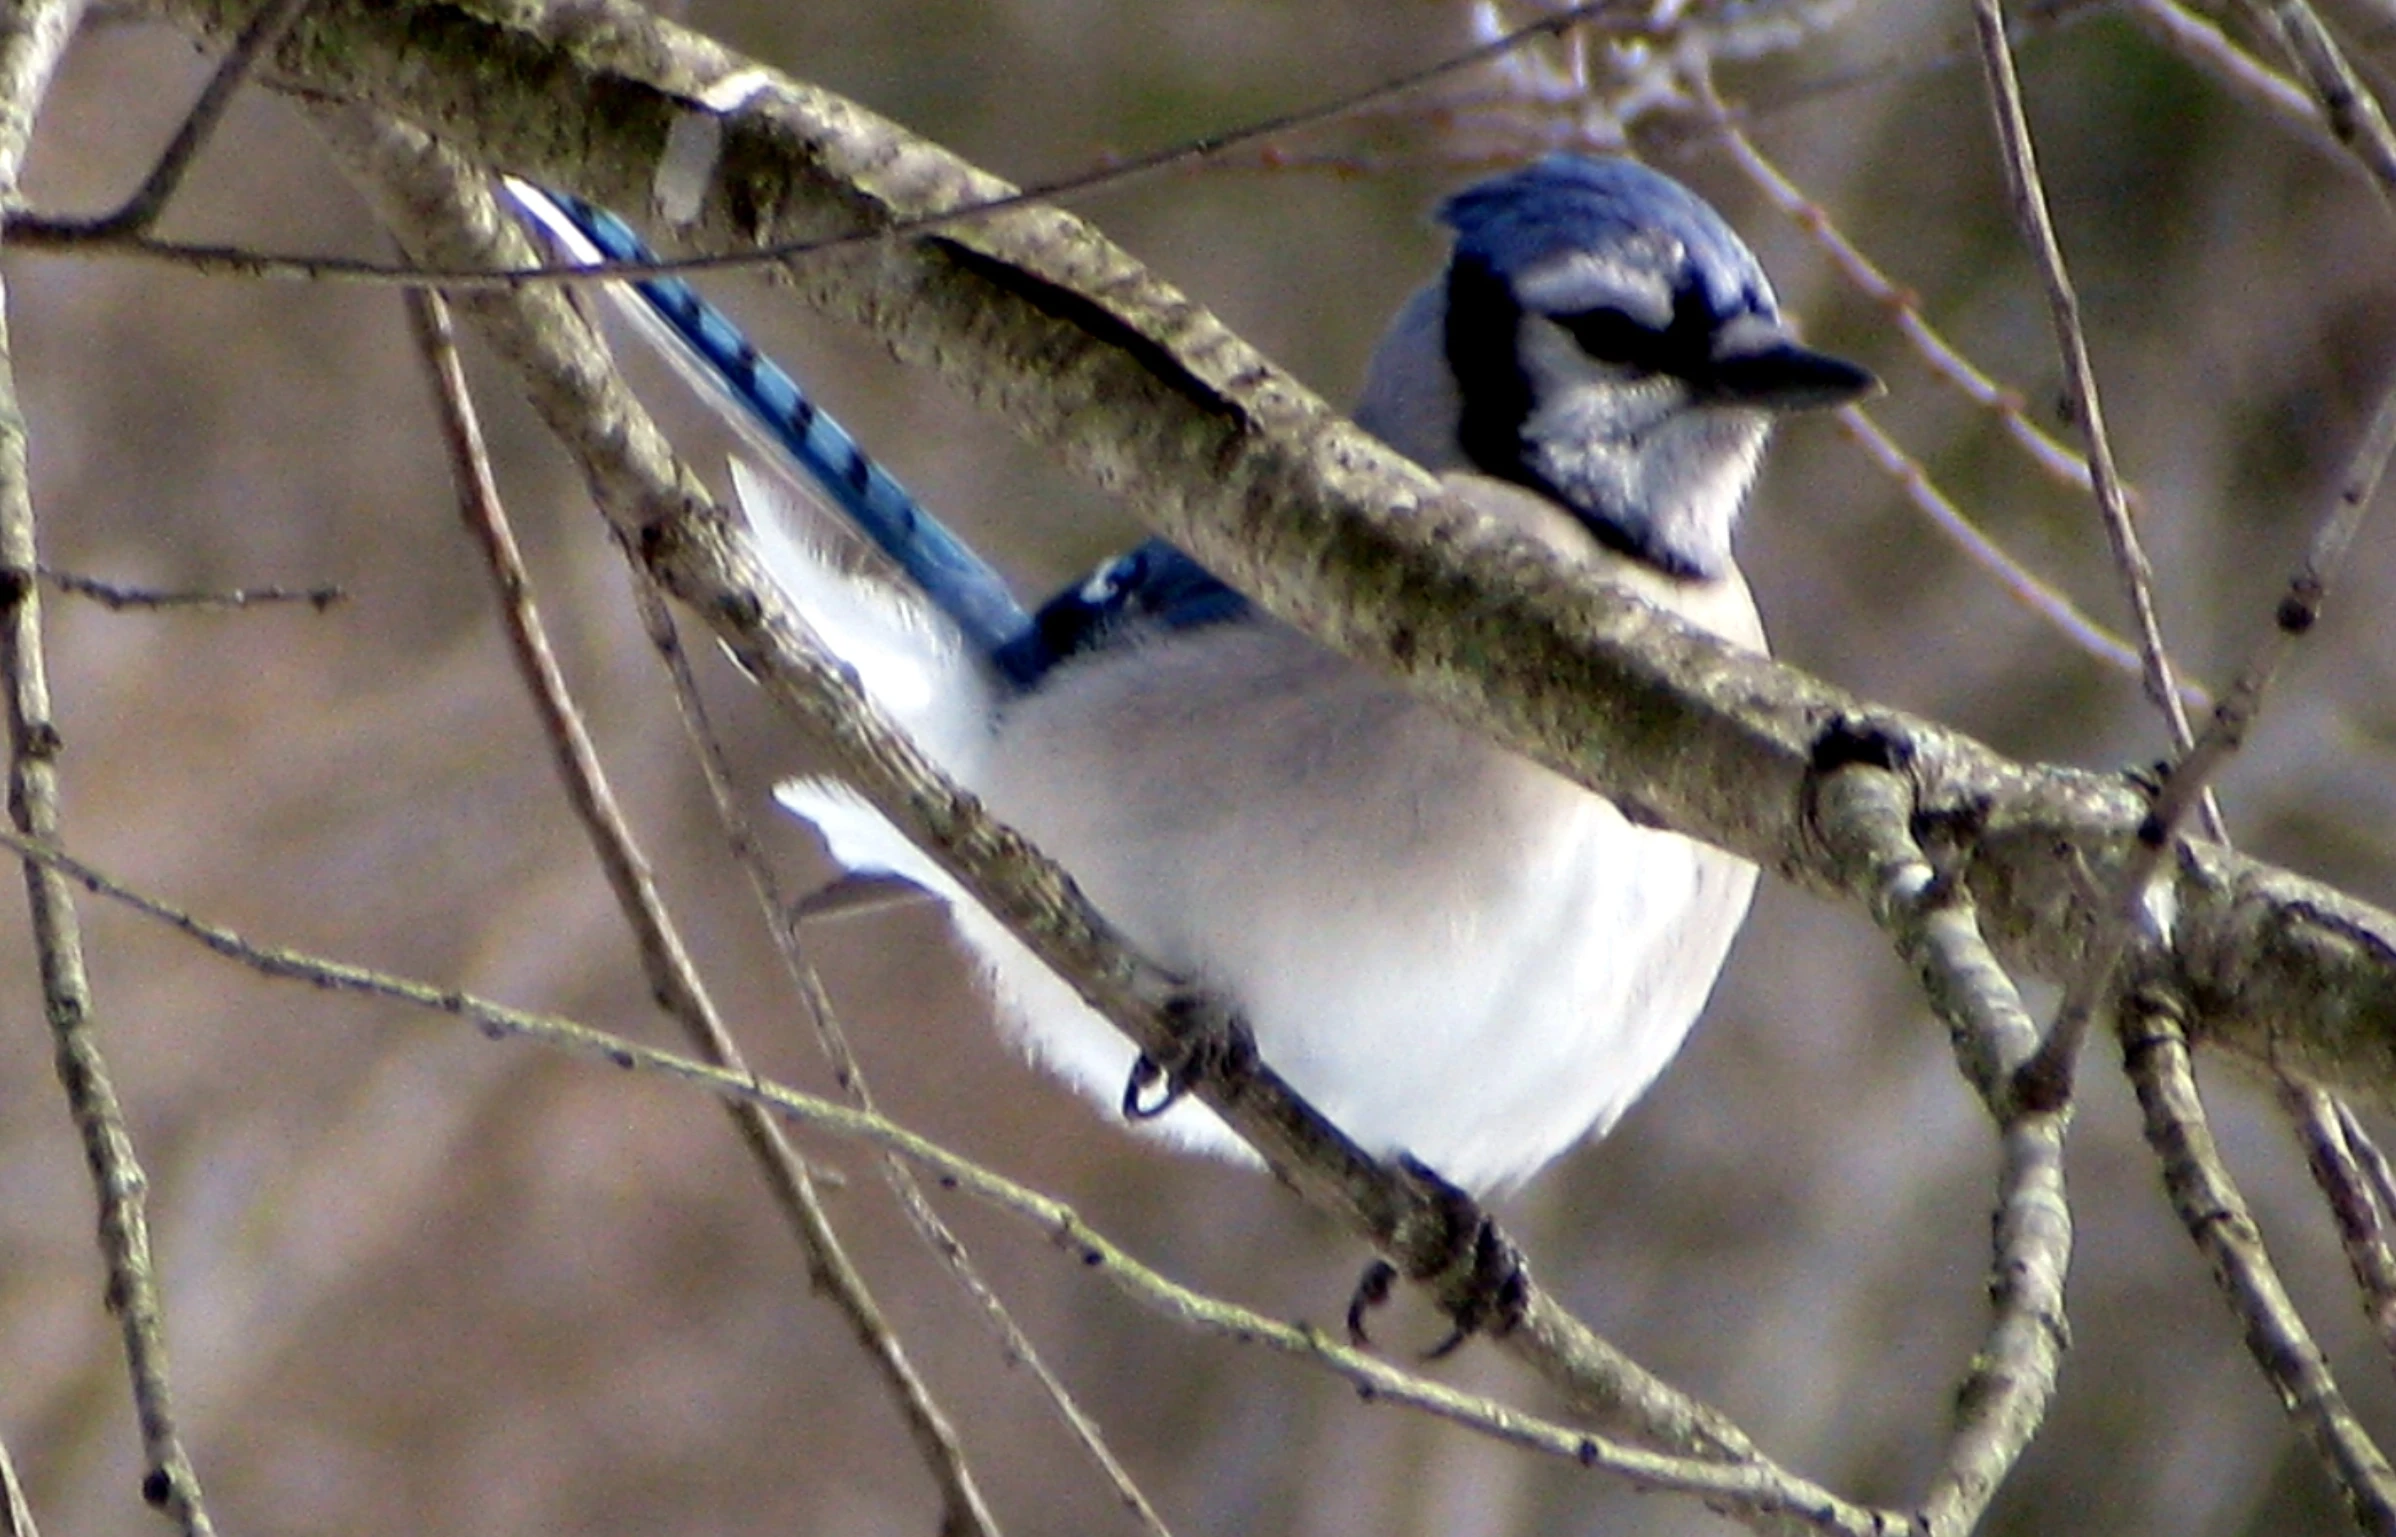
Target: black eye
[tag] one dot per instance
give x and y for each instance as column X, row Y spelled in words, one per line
column 1610, row 336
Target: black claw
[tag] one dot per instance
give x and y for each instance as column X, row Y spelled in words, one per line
column 1372, row 1290
column 1146, row 1075
column 1209, row 1041
column 1482, row 1279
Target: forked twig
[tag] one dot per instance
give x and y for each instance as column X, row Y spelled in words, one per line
column 2155, row 1052
column 2353, row 113
column 2342, row 1164
column 141, row 211
column 1864, row 811
column 2202, row 43
column 673, row 979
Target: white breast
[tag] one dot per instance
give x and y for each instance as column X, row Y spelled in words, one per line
column 1451, row 951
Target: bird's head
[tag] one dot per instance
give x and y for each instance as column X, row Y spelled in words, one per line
column 1602, row 337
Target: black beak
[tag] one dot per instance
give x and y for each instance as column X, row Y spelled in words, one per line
column 1758, row 365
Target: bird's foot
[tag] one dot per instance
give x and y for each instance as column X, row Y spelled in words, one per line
column 1480, row 1279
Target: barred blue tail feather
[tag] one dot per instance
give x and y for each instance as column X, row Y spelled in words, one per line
column 777, row 417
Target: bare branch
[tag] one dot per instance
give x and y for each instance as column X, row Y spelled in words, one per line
column 2352, row 1177
column 2299, row 609
column 1754, row 1489
column 1865, row 816
column 2155, row 1052
column 673, row 979
column 140, row 212
column 2353, row 112
column 937, row 1236
column 1903, row 307
column 2202, row 43
column 2038, row 232
column 30, row 47
column 115, row 595
column 2047, row 1078
column 2019, row 582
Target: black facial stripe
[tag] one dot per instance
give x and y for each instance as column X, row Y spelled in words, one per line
column 1683, row 349
column 1483, row 322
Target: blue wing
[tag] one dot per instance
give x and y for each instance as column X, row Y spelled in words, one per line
column 1149, row 588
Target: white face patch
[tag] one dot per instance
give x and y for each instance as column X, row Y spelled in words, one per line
column 1637, row 451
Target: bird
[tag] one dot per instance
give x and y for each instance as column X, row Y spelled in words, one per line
column 1459, row 956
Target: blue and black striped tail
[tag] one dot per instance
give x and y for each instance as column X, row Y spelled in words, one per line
column 774, row 413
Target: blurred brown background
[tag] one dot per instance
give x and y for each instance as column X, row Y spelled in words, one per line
column 419, row 1282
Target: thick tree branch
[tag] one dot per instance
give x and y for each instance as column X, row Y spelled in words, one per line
column 2003, row 1397
column 1035, row 316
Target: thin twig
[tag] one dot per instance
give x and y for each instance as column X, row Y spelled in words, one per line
column 2038, row 232
column 673, row 979
column 16, row 1515
column 741, row 841
column 1754, row 1489
column 2370, row 1160
column 2200, row 41
column 2356, row 1202
column 141, row 211
column 2155, row 1053
column 2298, row 611
column 2047, row 1077
column 2000, row 1404
column 116, row 595
column 29, row 52
column 2353, row 112
column 1904, row 306
column 31, row 231
column 2017, row 581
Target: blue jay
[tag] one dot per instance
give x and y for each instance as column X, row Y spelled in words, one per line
column 1454, row 953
